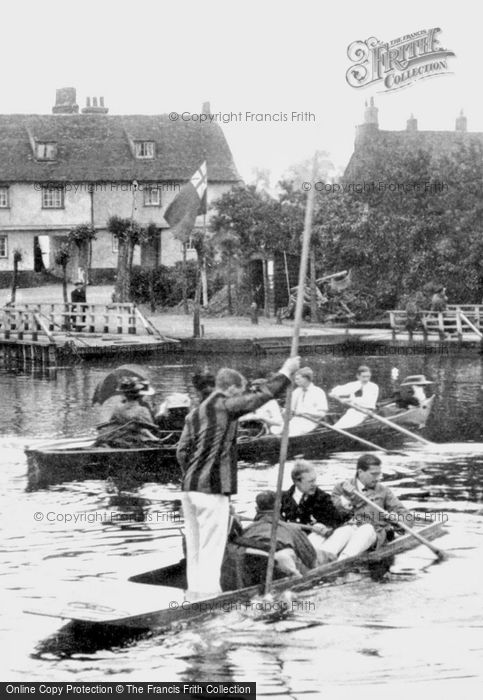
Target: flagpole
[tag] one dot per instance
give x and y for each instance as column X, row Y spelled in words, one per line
column 293, row 353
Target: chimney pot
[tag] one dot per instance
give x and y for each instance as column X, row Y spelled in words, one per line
column 65, row 101
column 94, row 101
column 206, row 108
column 101, row 101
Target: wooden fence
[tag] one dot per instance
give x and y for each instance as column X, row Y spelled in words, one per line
column 52, row 320
column 456, row 321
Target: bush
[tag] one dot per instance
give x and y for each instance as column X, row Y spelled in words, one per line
column 168, row 284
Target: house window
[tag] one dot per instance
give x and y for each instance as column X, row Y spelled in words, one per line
column 46, row 151
column 52, row 198
column 152, row 196
column 189, row 244
column 3, row 246
column 115, row 244
column 144, row 149
column 4, row 197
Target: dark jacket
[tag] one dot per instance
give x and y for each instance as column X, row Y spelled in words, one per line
column 78, row 296
column 207, row 446
column 288, row 536
column 404, row 397
column 315, row 508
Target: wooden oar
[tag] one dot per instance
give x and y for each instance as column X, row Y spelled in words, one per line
column 293, row 353
column 345, row 433
column 440, row 553
column 386, row 421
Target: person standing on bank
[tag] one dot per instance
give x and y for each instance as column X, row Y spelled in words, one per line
column 207, row 455
column 78, row 296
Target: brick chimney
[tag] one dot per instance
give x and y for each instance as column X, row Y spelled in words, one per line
column 95, row 107
column 65, row 101
column 370, row 113
column 412, row 124
column 461, row 123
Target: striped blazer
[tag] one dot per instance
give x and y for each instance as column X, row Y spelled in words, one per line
column 207, row 447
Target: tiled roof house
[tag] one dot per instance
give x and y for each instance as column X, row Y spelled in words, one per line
column 68, row 168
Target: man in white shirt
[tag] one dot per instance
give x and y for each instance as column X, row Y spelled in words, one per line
column 362, row 392
column 309, row 403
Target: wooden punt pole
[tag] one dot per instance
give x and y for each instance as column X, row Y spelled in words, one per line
column 293, row 353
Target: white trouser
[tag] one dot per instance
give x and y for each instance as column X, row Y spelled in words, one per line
column 350, row 419
column 349, row 540
column 206, row 530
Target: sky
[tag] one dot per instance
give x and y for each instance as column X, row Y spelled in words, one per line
column 258, row 56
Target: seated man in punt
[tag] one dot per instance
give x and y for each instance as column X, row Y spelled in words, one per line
column 367, row 528
column 306, row 504
column 294, row 555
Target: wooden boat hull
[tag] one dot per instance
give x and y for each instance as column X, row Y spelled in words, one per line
column 71, row 460
column 155, row 599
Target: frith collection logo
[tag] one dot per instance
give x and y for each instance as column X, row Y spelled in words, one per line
column 397, row 63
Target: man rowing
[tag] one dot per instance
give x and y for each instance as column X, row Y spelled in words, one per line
column 362, row 393
column 207, row 455
column 307, row 504
column 367, row 528
column 294, row 554
column 309, row 403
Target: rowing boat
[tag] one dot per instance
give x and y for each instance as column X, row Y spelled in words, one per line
column 155, row 599
column 80, row 459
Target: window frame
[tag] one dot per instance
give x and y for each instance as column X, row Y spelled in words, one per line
column 50, row 189
column 148, row 190
column 6, row 190
column 46, row 144
column 114, row 243
column 4, row 237
column 139, row 146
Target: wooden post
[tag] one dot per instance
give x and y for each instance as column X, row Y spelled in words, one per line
column 459, row 327
column 293, row 353
column 313, row 289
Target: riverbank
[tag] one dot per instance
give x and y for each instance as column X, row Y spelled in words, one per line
column 239, row 334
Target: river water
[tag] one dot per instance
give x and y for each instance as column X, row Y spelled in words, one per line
column 424, row 629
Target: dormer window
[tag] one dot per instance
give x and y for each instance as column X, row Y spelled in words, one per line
column 144, row 149
column 46, row 150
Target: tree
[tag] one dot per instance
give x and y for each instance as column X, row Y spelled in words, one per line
column 82, row 236
column 128, row 234
column 62, row 257
column 17, row 259
column 227, row 242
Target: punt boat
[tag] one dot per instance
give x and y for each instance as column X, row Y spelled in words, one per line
column 155, row 599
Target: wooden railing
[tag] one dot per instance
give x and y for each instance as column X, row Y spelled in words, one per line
column 53, row 319
column 456, row 320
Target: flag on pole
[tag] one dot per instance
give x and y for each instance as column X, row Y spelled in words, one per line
column 188, row 204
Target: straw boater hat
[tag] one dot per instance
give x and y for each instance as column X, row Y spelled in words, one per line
column 416, row 380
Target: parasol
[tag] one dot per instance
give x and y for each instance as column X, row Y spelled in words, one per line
column 108, row 386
